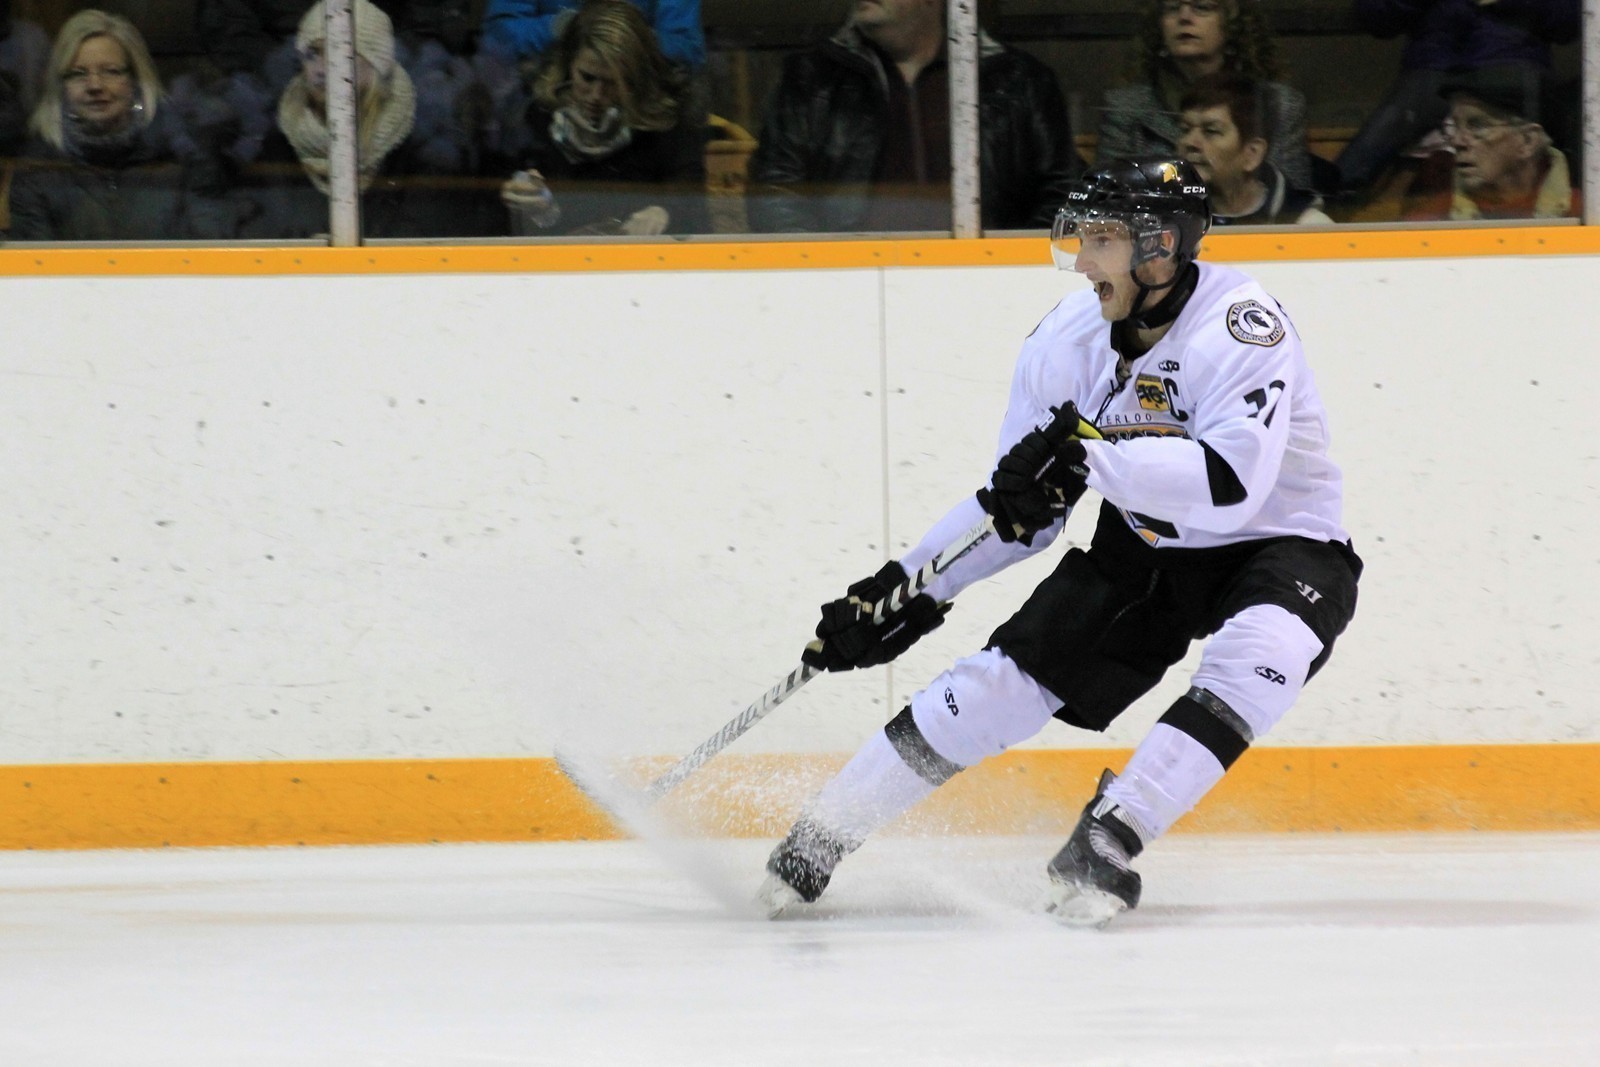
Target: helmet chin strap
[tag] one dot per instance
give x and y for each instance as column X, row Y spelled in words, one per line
column 1166, row 309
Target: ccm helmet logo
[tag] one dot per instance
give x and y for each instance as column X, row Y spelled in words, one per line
column 1194, row 190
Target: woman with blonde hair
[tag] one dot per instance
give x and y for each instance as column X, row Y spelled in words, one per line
column 106, row 162
column 1177, row 43
column 401, row 195
column 606, row 130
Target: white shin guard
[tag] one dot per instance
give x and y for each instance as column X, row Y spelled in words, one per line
column 1168, row 774
column 874, row 788
column 1257, row 664
column 978, row 708
column 1250, row 674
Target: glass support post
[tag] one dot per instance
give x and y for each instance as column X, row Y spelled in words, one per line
column 1591, row 112
column 344, row 194
column 962, row 48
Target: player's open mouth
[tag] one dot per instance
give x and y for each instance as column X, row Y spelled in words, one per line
column 1103, row 290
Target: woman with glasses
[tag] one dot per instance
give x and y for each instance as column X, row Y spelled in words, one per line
column 1181, row 41
column 106, row 161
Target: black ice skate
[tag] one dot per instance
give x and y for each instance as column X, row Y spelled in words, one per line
column 1090, row 881
column 800, row 867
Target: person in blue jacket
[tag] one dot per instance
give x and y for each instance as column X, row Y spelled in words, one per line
column 526, row 29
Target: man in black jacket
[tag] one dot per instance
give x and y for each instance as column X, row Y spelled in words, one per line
column 858, row 134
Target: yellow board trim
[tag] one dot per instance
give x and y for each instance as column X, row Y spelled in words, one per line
column 348, row 802
column 767, row 255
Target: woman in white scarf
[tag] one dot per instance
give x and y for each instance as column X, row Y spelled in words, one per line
column 386, row 101
column 403, row 193
column 609, row 152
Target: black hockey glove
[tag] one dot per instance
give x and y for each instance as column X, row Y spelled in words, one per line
column 847, row 636
column 1042, row 476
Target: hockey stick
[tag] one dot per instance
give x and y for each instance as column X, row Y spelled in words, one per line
column 790, row 685
column 735, row 727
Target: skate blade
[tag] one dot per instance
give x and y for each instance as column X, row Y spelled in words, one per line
column 777, row 896
column 1081, row 905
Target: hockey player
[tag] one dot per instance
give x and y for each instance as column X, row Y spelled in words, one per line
column 1178, row 391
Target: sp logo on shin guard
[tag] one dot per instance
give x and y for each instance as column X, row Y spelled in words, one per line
column 950, row 702
column 1275, row 677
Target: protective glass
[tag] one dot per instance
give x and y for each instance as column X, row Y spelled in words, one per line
column 1083, row 239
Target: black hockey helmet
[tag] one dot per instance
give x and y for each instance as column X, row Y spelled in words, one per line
column 1149, row 195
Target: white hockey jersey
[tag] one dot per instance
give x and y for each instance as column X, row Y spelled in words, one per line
column 1214, row 436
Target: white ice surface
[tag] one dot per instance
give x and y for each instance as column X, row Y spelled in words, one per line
column 1335, row 950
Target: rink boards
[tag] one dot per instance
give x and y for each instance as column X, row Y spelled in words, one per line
column 1379, row 789
column 335, row 545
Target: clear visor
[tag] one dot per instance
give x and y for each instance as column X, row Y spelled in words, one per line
column 1085, row 239
column 1080, row 240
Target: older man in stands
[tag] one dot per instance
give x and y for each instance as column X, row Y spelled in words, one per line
column 1502, row 164
column 858, row 133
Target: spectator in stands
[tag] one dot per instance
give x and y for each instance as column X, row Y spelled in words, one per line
column 527, row 29
column 1179, row 41
column 857, row 136
column 106, row 161
column 1443, row 36
column 287, row 186
column 251, row 48
column 1221, row 134
column 24, row 56
column 1501, row 164
column 607, row 150
column 524, row 32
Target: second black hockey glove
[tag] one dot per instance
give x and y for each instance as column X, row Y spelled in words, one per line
column 1042, row 476
column 848, row 637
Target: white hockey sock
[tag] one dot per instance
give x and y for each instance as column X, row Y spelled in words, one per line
column 1168, row 774
column 871, row 790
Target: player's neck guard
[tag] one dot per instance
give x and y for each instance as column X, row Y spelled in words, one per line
column 1165, row 310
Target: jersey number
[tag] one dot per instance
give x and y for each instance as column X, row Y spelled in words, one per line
column 1265, row 402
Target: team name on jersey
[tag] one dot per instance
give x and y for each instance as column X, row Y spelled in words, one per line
column 1128, row 433
column 1159, row 413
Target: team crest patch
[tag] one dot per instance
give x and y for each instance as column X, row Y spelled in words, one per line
column 1253, row 324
